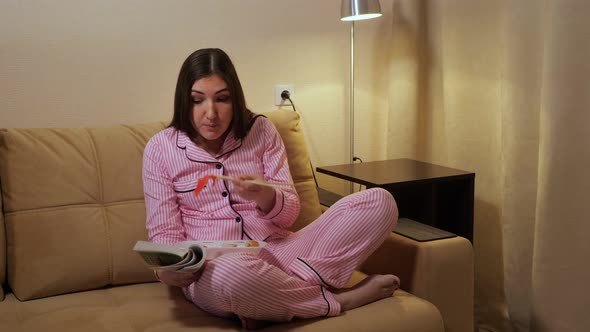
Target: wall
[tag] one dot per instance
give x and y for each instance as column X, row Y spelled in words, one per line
column 84, row 63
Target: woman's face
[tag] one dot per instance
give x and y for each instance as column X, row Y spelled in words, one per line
column 212, row 109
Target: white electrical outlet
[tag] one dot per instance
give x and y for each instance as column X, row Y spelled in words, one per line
column 279, row 88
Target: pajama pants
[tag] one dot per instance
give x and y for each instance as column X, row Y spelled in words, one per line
column 292, row 276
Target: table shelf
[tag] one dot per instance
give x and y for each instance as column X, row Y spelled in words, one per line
column 434, row 195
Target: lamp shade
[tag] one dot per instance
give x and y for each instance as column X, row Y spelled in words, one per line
column 356, row 10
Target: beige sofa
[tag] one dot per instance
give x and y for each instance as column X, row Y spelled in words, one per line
column 73, row 208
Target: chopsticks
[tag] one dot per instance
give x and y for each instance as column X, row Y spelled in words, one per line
column 258, row 182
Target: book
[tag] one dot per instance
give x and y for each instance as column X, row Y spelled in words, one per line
column 189, row 256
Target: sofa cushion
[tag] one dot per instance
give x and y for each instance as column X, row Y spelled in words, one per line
column 288, row 126
column 155, row 307
column 73, row 207
column 73, row 203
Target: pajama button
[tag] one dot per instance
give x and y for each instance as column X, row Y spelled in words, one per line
column 218, row 166
column 224, row 194
column 238, row 219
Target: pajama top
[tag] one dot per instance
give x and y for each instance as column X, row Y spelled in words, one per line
column 173, row 164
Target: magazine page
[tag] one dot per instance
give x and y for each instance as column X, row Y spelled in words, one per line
column 157, row 254
column 215, row 249
column 196, row 261
column 171, row 258
column 189, row 256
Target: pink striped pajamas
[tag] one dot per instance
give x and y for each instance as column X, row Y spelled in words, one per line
column 293, row 275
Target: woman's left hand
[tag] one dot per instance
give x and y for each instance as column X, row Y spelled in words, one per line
column 263, row 196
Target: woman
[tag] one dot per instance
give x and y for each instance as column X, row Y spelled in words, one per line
column 298, row 274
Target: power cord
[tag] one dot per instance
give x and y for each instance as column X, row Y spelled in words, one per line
column 285, row 95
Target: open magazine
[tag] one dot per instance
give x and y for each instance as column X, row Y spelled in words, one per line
column 189, row 256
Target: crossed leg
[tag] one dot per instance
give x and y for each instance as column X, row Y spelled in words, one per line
column 371, row 289
column 303, row 276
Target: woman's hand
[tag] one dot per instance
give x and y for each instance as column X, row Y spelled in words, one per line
column 263, row 196
column 178, row 279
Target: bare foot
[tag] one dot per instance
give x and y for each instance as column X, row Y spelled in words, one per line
column 373, row 288
column 253, row 324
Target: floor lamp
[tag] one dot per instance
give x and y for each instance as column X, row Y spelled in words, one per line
column 356, row 10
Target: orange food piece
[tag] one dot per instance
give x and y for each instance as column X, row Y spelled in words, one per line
column 203, row 182
column 252, row 244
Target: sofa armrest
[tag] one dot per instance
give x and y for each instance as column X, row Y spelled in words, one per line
column 440, row 272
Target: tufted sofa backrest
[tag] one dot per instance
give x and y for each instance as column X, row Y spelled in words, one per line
column 73, row 204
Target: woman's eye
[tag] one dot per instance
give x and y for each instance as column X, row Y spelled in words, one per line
column 197, row 101
column 223, row 99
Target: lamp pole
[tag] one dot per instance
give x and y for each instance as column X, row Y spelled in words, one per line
column 352, row 10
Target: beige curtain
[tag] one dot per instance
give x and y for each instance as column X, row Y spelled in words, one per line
column 502, row 88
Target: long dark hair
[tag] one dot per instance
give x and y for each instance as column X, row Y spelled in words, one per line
column 203, row 63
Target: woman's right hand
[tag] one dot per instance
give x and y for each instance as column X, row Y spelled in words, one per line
column 178, row 279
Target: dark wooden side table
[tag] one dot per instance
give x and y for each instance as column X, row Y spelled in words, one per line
column 433, row 195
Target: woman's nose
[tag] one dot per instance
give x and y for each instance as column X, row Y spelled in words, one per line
column 211, row 111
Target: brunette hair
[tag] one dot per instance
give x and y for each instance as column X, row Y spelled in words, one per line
column 203, row 63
